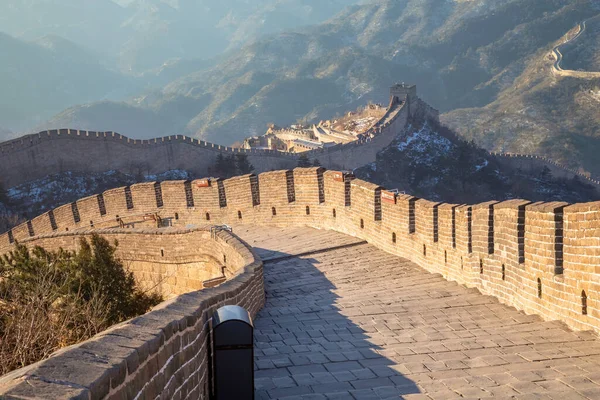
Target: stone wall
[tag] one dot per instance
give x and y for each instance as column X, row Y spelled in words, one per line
column 542, row 258
column 36, row 156
column 162, row 353
column 563, row 48
column 170, row 261
column 50, row 152
column 555, row 242
column 532, row 163
column 356, row 154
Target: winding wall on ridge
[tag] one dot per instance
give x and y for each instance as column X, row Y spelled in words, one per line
column 532, row 163
column 542, row 258
column 50, row 152
column 558, row 54
column 38, row 155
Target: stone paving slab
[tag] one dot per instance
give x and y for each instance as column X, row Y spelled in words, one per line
column 273, row 243
column 359, row 323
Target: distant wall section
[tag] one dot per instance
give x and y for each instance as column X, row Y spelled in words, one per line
column 531, row 163
column 50, row 152
column 559, row 51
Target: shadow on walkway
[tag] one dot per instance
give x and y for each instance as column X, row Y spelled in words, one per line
column 307, row 346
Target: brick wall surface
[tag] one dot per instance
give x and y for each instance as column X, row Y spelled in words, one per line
column 162, row 353
column 43, row 223
column 34, row 156
column 510, row 250
column 172, row 261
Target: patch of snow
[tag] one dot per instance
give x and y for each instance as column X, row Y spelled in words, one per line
column 172, row 175
column 484, row 164
column 68, row 186
column 414, row 136
column 425, row 141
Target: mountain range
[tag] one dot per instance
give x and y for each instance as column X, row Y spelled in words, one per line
column 40, row 78
column 140, row 35
column 425, row 159
column 113, row 50
column 545, row 110
column 484, row 63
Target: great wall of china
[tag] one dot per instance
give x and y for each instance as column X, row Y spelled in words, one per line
column 50, row 152
column 541, row 258
column 527, row 162
column 568, row 44
column 35, row 156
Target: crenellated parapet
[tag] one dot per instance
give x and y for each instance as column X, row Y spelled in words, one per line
column 165, row 351
column 55, row 151
column 527, row 162
column 541, row 258
column 49, row 152
column 494, row 246
column 37, row 138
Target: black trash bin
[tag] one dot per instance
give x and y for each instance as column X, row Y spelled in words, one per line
column 233, row 347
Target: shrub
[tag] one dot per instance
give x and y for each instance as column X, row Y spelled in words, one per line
column 49, row 300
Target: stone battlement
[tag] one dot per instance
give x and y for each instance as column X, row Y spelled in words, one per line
column 50, row 152
column 163, row 352
column 529, row 162
column 541, row 258
column 539, row 233
column 171, row 261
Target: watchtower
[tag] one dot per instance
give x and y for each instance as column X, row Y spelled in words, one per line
column 403, row 91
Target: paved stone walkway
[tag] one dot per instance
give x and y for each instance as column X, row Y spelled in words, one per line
column 356, row 322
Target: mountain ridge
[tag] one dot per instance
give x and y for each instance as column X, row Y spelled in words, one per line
column 48, row 75
column 356, row 54
column 465, row 56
